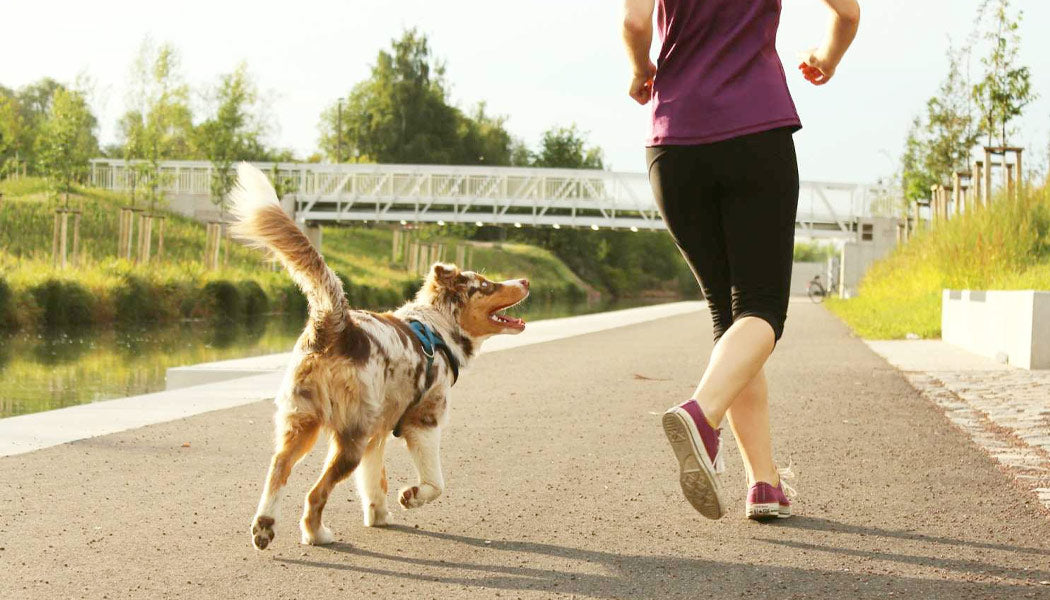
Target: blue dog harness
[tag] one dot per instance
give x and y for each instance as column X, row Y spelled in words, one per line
column 431, row 342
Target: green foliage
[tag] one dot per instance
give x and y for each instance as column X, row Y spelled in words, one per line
column 63, row 304
column 1006, row 246
column 221, row 300
column 565, row 147
column 22, row 115
column 256, row 303
column 158, row 124
column 1006, row 88
column 233, row 133
column 67, row 141
column 812, row 252
column 141, row 301
column 402, row 114
column 7, row 318
column 940, row 142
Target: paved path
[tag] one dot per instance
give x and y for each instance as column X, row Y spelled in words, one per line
column 1004, row 409
column 560, row 485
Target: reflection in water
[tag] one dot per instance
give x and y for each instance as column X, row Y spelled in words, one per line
column 46, row 370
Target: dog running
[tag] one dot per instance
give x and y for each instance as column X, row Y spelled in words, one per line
column 358, row 376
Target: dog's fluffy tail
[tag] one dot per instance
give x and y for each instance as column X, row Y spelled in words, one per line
column 263, row 223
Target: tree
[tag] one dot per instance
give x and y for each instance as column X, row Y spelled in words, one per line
column 950, row 124
column 159, row 123
column 940, row 142
column 564, row 147
column 402, row 114
column 67, row 140
column 22, row 115
column 1006, row 88
column 233, row 132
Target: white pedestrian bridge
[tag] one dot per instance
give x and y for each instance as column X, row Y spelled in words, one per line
column 513, row 196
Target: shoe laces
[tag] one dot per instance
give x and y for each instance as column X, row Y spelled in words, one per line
column 787, row 473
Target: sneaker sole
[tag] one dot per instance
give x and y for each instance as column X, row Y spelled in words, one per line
column 765, row 512
column 697, row 475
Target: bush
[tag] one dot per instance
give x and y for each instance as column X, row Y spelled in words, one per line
column 222, row 301
column 63, row 304
column 140, row 302
column 7, row 306
column 256, row 303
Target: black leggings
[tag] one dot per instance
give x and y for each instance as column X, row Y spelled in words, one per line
column 730, row 206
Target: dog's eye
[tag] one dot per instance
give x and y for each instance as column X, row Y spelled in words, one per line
column 485, row 285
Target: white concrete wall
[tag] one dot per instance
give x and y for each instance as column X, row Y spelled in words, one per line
column 1010, row 325
column 858, row 255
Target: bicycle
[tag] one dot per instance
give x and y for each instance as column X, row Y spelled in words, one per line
column 816, row 290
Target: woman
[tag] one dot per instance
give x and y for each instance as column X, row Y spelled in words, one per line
column 723, row 171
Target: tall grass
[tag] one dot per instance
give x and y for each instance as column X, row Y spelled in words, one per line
column 1005, row 246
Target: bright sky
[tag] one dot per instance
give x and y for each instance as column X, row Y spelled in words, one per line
column 542, row 62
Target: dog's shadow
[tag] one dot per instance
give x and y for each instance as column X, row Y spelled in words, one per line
column 603, row 573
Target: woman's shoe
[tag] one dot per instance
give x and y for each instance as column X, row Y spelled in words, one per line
column 767, row 502
column 697, row 446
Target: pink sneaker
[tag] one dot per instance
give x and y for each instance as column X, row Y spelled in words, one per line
column 767, row 502
column 697, row 446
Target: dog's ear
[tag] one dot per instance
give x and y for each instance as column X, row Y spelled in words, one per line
column 445, row 283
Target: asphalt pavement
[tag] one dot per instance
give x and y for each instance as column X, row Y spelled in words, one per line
column 560, row 484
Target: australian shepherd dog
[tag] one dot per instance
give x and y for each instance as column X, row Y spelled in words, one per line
column 358, row 376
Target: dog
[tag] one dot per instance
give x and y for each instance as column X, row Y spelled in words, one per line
column 357, row 376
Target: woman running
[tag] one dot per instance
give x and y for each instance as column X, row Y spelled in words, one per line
column 723, row 171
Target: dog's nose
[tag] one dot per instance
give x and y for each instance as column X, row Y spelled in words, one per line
column 524, row 283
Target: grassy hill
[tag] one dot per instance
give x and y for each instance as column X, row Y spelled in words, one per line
column 104, row 289
column 1003, row 247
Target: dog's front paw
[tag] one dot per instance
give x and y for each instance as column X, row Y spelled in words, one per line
column 323, row 536
column 376, row 516
column 262, row 532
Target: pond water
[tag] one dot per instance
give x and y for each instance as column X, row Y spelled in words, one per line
column 47, row 370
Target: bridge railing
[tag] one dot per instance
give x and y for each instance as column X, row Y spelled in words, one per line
column 489, row 195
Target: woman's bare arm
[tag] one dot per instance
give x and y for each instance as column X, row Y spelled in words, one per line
column 819, row 64
column 638, row 37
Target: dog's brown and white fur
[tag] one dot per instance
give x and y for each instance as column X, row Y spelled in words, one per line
column 355, row 374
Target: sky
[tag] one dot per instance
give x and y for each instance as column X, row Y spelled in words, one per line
column 539, row 62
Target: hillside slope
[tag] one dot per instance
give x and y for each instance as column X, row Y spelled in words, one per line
column 104, row 289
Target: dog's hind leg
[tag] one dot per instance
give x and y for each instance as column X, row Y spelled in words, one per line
column 295, row 436
column 424, row 444
column 344, row 454
column 372, row 484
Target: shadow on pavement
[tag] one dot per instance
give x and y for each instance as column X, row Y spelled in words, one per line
column 817, row 524
column 639, row 576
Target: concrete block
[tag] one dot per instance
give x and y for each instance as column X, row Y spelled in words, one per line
column 1010, row 325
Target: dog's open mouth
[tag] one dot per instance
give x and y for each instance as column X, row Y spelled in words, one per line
column 504, row 320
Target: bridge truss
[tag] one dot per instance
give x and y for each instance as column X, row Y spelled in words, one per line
column 522, row 197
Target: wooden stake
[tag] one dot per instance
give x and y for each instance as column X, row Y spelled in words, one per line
column 76, row 239
column 160, row 239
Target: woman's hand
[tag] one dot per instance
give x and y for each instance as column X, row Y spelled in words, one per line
column 816, row 67
column 642, row 85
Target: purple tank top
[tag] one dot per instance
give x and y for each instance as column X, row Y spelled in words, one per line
column 718, row 75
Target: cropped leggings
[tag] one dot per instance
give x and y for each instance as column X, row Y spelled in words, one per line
column 730, row 206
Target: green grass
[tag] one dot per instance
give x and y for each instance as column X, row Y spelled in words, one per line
column 1003, row 247
column 104, row 289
